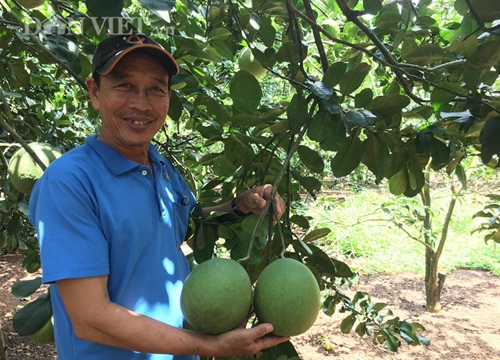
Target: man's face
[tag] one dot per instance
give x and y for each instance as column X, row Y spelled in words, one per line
column 132, row 100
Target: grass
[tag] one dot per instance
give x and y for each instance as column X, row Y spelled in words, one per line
column 362, row 235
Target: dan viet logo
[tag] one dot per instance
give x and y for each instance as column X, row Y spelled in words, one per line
column 81, row 24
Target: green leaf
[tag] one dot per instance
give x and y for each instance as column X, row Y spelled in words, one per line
column 310, row 184
column 311, row 159
column 447, row 92
column 440, row 154
column 321, row 90
column 316, row 234
column 219, row 34
column 245, row 91
column 362, row 118
column 490, row 133
column 223, row 167
column 291, row 52
column 267, row 31
column 301, row 221
column 204, row 242
column 486, row 55
column 245, row 120
column 108, row 8
column 249, row 223
column 391, row 342
column 388, row 21
column 334, row 73
column 217, row 112
column 354, row 78
column 398, row 182
column 363, row 98
column 342, row 269
column 461, row 7
column 175, row 106
column 464, row 47
column 347, row 324
column 388, row 105
column 305, row 247
column 361, row 329
column 468, row 25
column 24, row 288
column 348, row 158
column 285, row 351
column 461, row 175
column 33, row 316
column 323, row 261
column 158, row 5
column 486, row 10
column 376, row 156
column 372, row 6
column 423, row 54
column 327, row 129
column 222, row 49
column 416, row 179
column 297, row 111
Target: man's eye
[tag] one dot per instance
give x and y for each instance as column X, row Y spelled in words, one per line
column 157, row 89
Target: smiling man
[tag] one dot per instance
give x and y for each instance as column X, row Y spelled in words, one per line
column 111, row 216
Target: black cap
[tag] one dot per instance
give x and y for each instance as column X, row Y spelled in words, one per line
column 112, row 49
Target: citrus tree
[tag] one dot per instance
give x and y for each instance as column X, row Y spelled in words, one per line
column 270, row 91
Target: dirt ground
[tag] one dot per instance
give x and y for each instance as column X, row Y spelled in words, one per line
column 467, row 328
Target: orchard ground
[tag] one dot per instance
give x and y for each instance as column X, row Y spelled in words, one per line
column 467, row 327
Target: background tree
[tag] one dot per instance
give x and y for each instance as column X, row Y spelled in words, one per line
column 402, row 88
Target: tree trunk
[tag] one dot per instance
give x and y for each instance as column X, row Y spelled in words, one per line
column 3, row 348
column 434, row 283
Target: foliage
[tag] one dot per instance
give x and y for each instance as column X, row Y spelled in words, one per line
column 399, row 86
column 490, row 213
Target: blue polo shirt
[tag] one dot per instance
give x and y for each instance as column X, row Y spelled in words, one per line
column 98, row 213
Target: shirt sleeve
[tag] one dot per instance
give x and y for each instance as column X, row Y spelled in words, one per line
column 72, row 244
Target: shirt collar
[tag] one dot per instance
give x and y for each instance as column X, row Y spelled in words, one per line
column 114, row 160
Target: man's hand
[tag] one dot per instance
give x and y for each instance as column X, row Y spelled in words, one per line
column 254, row 200
column 241, row 341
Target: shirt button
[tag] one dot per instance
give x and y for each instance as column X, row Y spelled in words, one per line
column 144, row 172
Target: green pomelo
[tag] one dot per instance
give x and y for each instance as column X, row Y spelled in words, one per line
column 247, row 62
column 216, row 296
column 24, row 171
column 45, row 335
column 287, row 296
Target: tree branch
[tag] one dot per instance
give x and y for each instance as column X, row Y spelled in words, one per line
column 317, row 37
column 474, row 14
column 42, row 47
column 352, row 16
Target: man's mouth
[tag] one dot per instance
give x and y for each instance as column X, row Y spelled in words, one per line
column 136, row 122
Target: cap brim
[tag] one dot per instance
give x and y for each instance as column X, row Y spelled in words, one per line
column 163, row 56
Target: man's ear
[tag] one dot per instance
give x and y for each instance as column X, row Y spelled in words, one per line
column 93, row 90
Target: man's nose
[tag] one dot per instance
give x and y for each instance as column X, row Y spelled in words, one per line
column 140, row 101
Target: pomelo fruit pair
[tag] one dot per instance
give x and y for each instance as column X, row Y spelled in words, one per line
column 24, row 171
column 217, row 296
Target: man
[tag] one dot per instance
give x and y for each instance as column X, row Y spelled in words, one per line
column 111, row 216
